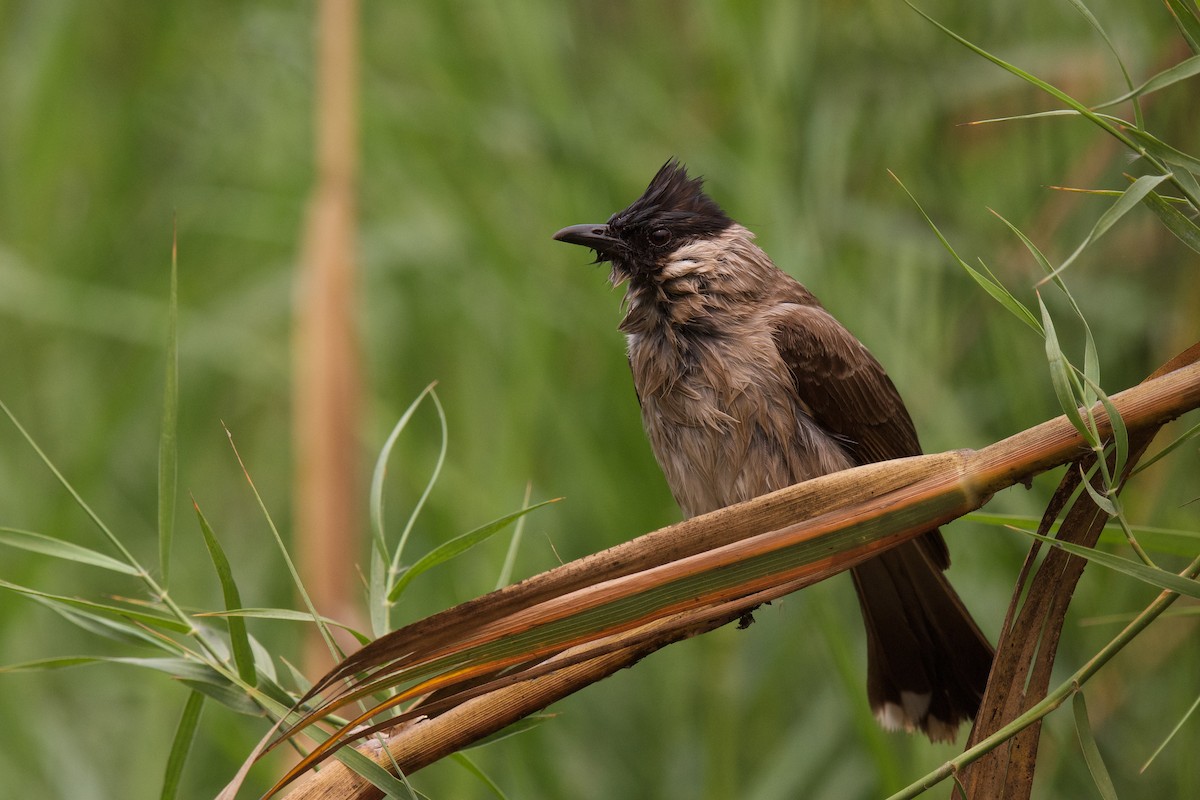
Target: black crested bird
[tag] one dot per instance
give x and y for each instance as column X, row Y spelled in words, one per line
column 748, row 385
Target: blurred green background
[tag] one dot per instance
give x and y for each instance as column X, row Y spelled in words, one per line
column 485, row 128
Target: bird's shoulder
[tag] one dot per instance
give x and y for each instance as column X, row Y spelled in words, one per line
column 837, row 377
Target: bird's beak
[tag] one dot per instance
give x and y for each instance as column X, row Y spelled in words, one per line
column 596, row 237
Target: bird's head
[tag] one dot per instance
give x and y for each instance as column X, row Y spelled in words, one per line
column 672, row 212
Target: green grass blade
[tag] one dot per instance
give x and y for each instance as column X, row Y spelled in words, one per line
column 1178, row 223
column 1128, row 200
column 456, row 546
column 105, row 627
column 68, row 551
column 388, row 783
column 286, row 615
column 1091, row 752
column 380, row 472
column 1186, row 715
column 989, row 284
column 239, row 640
column 231, row 697
column 1033, row 80
column 1095, row 23
column 470, row 766
column 510, row 557
column 1185, row 69
column 433, row 477
column 1120, row 433
column 185, row 734
column 1188, row 22
column 168, row 439
column 1162, row 579
column 326, row 635
column 112, row 538
column 1184, row 438
column 117, row 612
column 1060, row 378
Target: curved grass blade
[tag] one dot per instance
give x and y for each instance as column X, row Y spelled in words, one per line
column 1188, row 68
column 1091, row 752
column 1095, row 23
column 118, row 612
column 1184, row 438
column 1188, row 21
column 326, row 635
column 287, row 615
column 510, row 557
column 470, row 766
column 239, row 640
column 185, row 734
column 457, row 545
column 1128, row 199
column 1184, row 227
column 988, row 282
column 68, row 551
column 1061, row 380
column 1162, row 579
column 168, row 441
column 1171, row 735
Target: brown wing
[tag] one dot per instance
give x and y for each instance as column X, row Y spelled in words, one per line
column 847, row 392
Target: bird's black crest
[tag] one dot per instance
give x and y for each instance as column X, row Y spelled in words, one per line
column 676, row 201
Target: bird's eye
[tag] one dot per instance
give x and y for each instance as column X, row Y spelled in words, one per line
column 660, row 236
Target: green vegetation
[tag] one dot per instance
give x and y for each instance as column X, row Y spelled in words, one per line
column 485, row 129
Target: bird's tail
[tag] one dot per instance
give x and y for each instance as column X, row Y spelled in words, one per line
column 927, row 661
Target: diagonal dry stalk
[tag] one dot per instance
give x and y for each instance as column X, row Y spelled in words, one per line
column 461, row 709
column 1029, row 639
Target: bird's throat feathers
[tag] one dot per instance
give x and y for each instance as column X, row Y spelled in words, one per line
column 725, row 274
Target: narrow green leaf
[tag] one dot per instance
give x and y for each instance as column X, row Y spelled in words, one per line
column 380, row 472
column 117, row 630
column 229, row 696
column 48, row 664
column 437, row 470
column 185, row 734
column 388, row 783
column 48, row 545
column 305, row 597
column 239, row 641
column 1102, row 502
column 1188, row 22
column 168, row 442
column 517, row 728
column 1120, row 433
column 1091, row 752
column 181, row 668
column 1155, row 577
column 119, row 612
column 1178, row 223
column 470, row 766
column 1095, row 23
column 1184, row 438
column 1188, row 68
column 1174, row 730
column 1128, row 200
column 456, row 546
column 1160, row 149
column 989, row 284
column 286, row 615
column 112, row 538
column 510, row 557
column 1060, row 377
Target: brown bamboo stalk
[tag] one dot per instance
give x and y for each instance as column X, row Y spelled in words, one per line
column 327, row 382
column 1028, row 645
column 978, row 475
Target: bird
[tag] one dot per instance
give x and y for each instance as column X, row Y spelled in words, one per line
column 748, row 385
